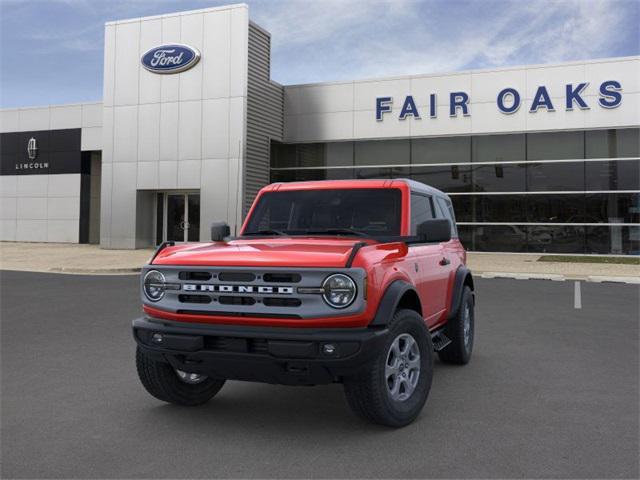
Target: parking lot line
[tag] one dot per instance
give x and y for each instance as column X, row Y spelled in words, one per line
column 577, row 296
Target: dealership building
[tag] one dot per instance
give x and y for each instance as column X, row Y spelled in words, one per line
column 541, row 158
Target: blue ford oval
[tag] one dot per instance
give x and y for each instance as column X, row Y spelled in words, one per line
column 173, row 58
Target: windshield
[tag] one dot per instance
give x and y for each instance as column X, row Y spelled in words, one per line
column 358, row 212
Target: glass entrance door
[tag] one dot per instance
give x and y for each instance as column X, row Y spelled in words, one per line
column 192, row 233
column 182, row 217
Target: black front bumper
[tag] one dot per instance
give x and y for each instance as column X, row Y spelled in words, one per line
column 289, row 356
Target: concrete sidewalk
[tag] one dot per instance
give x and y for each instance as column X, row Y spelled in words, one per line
column 90, row 259
column 70, row 258
column 496, row 265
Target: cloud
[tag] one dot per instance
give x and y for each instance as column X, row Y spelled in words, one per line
column 321, row 40
column 293, row 22
column 327, row 40
column 80, row 40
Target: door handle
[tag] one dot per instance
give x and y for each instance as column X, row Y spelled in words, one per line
column 444, row 261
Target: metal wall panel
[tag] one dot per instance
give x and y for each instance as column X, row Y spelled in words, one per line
column 325, row 112
column 265, row 114
column 162, row 129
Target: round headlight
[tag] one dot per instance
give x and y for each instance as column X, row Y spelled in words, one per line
column 153, row 285
column 339, row 290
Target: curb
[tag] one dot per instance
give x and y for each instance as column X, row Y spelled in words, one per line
column 600, row 279
column 94, row 270
column 560, row 278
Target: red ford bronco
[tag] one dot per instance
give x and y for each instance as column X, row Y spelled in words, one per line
column 355, row 282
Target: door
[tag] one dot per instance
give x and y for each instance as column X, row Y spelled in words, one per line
column 192, row 233
column 432, row 272
column 182, row 217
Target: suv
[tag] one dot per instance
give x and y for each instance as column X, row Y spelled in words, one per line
column 354, row 282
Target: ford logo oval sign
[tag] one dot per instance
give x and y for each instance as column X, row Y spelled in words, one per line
column 173, row 58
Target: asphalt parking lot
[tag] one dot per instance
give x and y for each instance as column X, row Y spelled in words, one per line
column 552, row 391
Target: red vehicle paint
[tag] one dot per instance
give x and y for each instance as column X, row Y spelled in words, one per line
column 304, row 293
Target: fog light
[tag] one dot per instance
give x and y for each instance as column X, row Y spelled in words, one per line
column 329, row 348
column 156, row 338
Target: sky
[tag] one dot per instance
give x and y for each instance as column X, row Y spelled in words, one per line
column 51, row 51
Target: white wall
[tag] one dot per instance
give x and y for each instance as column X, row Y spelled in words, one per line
column 87, row 116
column 46, row 208
column 176, row 131
column 346, row 110
column 40, row 208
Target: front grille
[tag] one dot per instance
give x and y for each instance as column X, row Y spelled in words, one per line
column 237, row 277
column 282, row 277
column 195, row 276
column 282, row 302
column 194, row 298
column 253, row 292
column 236, row 300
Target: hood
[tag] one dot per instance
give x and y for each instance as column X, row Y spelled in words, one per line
column 272, row 252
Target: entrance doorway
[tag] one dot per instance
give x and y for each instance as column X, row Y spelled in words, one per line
column 178, row 217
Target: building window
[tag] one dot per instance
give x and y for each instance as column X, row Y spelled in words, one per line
column 283, row 155
column 580, row 179
column 440, row 150
column 499, row 148
column 499, row 208
column 499, row 178
column 620, row 143
column 612, row 175
column 616, row 240
column 382, row 152
column 613, row 207
column 549, row 208
column 383, row 172
column 319, row 155
column 555, row 145
column 448, row 178
column 559, row 177
column 555, row 238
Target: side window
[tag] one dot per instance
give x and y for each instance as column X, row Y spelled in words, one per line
column 421, row 210
column 445, row 210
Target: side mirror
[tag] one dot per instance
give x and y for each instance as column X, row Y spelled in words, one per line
column 434, row 231
column 219, row 231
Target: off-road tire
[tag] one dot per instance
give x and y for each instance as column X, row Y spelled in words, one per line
column 367, row 392
column 458, row 351
column 162, row 381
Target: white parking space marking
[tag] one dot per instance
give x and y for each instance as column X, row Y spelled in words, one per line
column 577, row 296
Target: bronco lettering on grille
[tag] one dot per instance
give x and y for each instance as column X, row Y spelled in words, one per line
column 265, row 289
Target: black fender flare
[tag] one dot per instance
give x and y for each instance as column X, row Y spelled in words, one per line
column 463, row 277
column 390, row 300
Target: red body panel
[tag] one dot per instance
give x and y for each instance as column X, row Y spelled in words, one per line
column 419, row 265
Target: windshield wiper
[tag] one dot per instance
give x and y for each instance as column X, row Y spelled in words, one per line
column 265, row 232
column 336, row 231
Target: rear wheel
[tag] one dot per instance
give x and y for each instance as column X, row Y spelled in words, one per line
column 393, row 389
column 460, row 330
column 175, row 386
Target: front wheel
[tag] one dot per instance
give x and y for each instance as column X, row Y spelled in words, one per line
column 393, row 389
column 175, row 386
